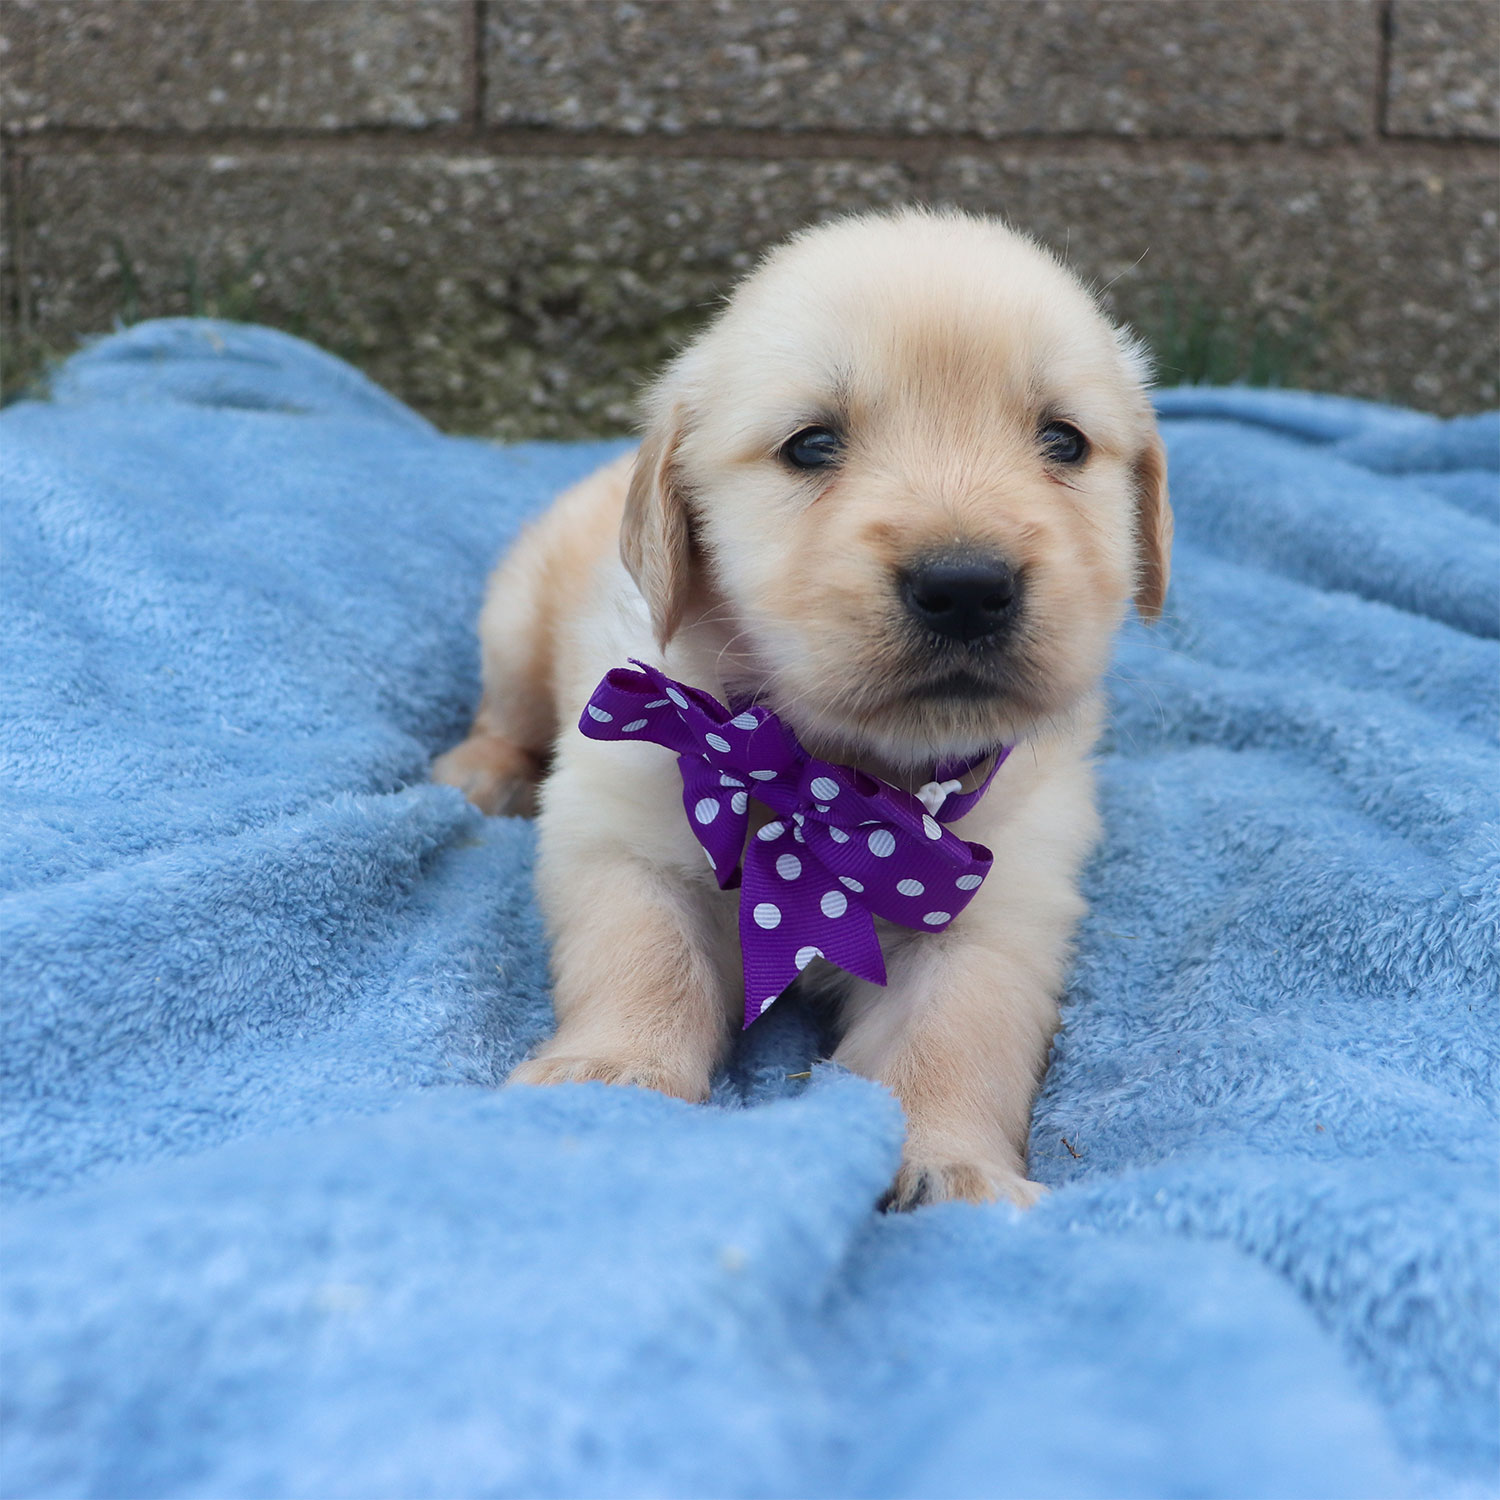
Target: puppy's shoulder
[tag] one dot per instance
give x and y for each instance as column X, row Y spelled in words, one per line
column 1044, row 793
column 588, row 513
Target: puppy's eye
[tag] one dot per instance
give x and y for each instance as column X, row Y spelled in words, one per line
column 813, row 448
column 1063, row 443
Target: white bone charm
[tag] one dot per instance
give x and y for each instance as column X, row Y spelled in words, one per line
column 935, row 793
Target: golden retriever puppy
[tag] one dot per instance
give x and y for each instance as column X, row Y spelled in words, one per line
column 900, row 493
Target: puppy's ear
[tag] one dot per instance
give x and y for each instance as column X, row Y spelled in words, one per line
column 656, row 539
column 1153, row 530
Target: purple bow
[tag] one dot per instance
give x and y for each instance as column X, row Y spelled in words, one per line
column 842, row 848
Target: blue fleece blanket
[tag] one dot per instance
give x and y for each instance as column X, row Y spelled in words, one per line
column 271, row 1230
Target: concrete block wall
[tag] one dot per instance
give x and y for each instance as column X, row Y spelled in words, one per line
column 509, row 211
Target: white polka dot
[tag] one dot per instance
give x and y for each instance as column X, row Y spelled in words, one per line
column 851, row 882
column 767, row 1003
column 713, row 864
column 657, row 703
column 834, row 903
column 969, row 882
column 762, row 775
column 910, row 887
column 824, row 788
column 767, row 915
column 744, row 721
column 937, row 918
column 707, row 809
column 821, row 806
column 595, row 712
column 718, row 742
column 882, row 843
column 740, row 801
column 806, row 955
column 633, row 725
column 771, row 831
column 677, row 698
column 726, row 780
column 799, row 835
column 838, row 835
column 931, row 827
column 788, row 866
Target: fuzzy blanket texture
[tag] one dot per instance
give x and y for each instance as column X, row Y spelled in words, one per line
column 271, row 1229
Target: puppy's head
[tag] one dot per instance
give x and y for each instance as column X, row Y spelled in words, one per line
column 908, row 482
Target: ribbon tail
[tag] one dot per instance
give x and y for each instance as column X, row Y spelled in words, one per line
column 768, row 970
column 851, row 943
column 718, row 816
column 778, row 939
column 779, row 915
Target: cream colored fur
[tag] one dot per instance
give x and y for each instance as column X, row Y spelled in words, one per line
column 939, row 345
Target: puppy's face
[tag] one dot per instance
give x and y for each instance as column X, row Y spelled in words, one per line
column 910, row 479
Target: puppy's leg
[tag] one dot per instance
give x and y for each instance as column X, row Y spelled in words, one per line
column 499, row 765
column 961, row 1032
column 640, row 989
column 533, row 597
column 495, row 774
column 960, row 1036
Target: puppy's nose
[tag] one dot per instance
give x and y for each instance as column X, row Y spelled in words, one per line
column 964, row 598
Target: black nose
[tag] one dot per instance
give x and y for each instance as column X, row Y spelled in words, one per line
column 962, row 598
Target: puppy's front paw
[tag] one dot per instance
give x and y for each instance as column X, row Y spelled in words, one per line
column 641, row 1072
column 932, row 1181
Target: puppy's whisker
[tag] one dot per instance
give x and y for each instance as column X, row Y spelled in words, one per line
column 1145, row 686
column 1128, row 269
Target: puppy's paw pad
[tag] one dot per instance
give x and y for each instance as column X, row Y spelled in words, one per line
column 920, row 1182
column 628, row 1071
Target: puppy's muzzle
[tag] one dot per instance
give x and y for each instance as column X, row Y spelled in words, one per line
column 970, row 598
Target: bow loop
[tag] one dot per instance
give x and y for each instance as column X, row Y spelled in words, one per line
column 842, row 847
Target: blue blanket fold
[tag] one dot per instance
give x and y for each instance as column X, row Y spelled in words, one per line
column 270, row 1230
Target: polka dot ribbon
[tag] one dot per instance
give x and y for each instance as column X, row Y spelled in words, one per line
column 841, row 848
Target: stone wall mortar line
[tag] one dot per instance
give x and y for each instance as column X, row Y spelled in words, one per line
column 1383, row 70
column 478, row 73
column 918, row 154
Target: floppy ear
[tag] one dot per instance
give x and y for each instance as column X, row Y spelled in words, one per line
column 1153, row 531
column 656, row 541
